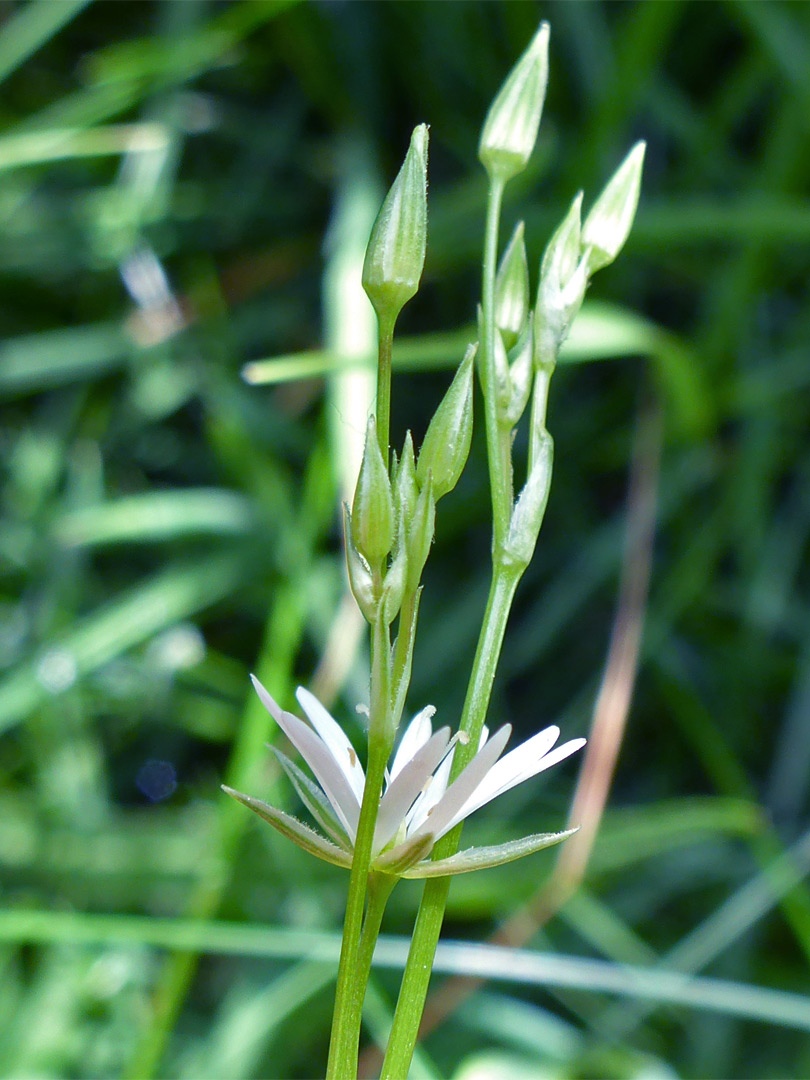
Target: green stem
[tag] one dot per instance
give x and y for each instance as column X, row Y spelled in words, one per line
column 385, row 342
column 416, row 977
column 542, row 379
column 344, row 1043
column 403, row 654
column 380, row 887
column 498, row 442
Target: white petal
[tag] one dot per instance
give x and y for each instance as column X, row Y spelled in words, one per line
column 513, row 767
column 405, row 788
column 335, row 738
column 435, row 790
column 416, row 735
column 441, row 819
column 314, row 751
column 480, row 796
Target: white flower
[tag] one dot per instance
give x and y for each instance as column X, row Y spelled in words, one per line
column 418, row 806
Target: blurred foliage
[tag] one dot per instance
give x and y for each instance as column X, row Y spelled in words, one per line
column 167, row 174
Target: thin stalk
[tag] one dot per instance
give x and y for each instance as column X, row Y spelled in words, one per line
column 343, row 1047
column 498, row 447
column 403, row 654
column 385, row 346
column 380, row 887
column 542, row 379
column 416, row 976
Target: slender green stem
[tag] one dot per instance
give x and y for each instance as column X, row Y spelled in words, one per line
column 385, row 343
column 431, row 910
column 498, row 443
column 542, row 379
column 380, row 887
column 403, row 654
column 343, row 1047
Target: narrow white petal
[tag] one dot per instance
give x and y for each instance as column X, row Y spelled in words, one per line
column 335, row 738
column 436, row 788
column 433, row 791
column 441, row 818
column 407, row 785
column 416, row 735
column 513, row 767
column 316, row 754
column 545, row 762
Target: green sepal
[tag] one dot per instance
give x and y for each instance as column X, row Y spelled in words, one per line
column 528, row 511
column 482, row 858
column 406, row 486
column 401, row 858
column 307, row 839
column 419, row 532
column 512, row 289
column 447, row 440
column 372, row 517
column 314, row 799
column 396, row 578
column 521, row 373
column 563, row 280
column 361, row 580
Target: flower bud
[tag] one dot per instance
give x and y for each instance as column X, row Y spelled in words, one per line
column 372, row 518
column 419, row 533
column 406, row 488
column 521, row 370
column 395, row 254
column 528, row 512
column 447, row 441
column 608, row 224
column 512, row 289
column 563, row 281
column 361, row 580
column 510, row 129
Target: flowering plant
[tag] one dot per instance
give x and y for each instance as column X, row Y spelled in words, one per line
column 404, row 820
column 418, row 806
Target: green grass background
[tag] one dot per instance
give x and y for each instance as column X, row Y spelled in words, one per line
column 168, row 172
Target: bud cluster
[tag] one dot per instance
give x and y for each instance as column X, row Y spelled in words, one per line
column 390, row 527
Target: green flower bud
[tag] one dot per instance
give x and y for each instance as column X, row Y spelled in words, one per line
column 361, row 580
column 608, row 224
column 419, row 533
column 563, row 281
column 447, row 441
column 395, row 254
column 528, row 512
column 372, row 519
column 521, row 370
column 512, row 289
column 510, row 129
column 406, row 487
